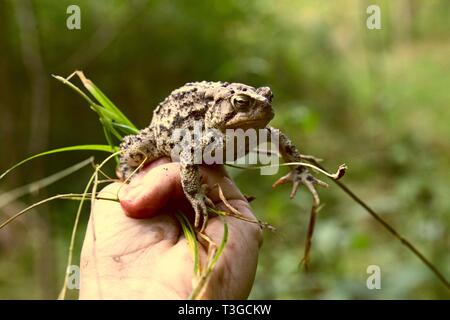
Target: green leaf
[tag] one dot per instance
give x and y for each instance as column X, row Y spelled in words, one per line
column 92, row 147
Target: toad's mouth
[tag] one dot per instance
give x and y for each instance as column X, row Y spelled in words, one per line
column 247, row 124
column 251, row 123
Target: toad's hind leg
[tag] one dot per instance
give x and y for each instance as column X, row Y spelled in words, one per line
column 194, row 191
column 136, row 149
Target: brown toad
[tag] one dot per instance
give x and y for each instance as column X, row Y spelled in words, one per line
column 215, row 105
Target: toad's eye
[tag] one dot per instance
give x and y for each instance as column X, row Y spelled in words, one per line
column 241, row 102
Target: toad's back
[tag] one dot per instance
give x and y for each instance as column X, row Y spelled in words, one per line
column 182, row 105
column 189, row 103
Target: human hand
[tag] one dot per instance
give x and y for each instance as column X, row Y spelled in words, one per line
column 137, row 250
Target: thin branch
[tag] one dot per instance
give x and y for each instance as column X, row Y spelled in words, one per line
column 309, row 235
column 389, row 228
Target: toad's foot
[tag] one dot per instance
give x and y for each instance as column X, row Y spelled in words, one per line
column 199, row 203
column 301, row 176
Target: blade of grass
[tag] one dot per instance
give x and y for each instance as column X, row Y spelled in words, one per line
column 86, row 147
column 221, row 247
column 105, row 113
column 125, row 129
column 108, row 113
column 190, row 236
column 108, row 127
column 210, row 264
column 109, row 138
column 8, row 197
column 102, row 111
column 65, row 196
column 103, row 99
column 75, row 88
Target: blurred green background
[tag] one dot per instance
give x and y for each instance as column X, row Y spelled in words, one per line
column 378, row 100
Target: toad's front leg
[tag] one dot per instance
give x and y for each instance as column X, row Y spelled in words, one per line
column 135, row 151
column 299, row 175
column 194, row 191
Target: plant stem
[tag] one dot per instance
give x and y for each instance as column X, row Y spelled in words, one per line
column 389, row 228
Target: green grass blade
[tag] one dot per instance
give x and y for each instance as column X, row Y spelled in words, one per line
column 112, row 130
column 221, row 247
column 190, row 236
column 91, row 147
column 104, row 100
column 125, row 129
column 105, row 113
column 75, row 88
column 207, row 272
column 109, row 114
column 107, row 129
